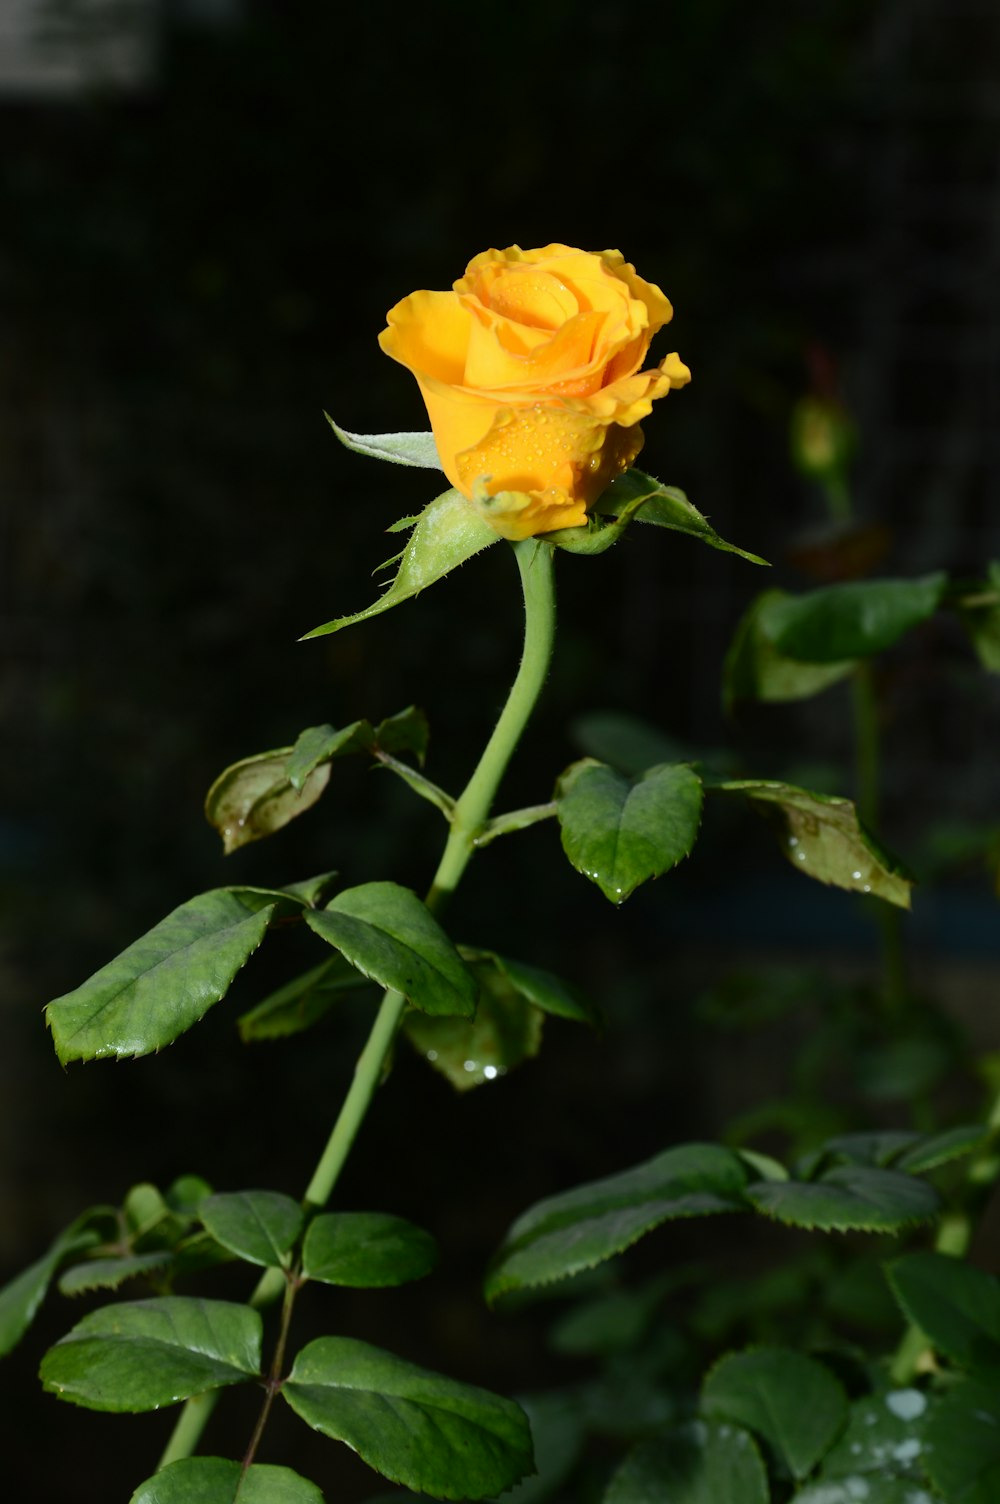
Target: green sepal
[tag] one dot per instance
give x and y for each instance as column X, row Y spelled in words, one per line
column 416, row 449
column 848, row 1198
column 822, row 836
column 21, row 1297
column 789, row 1400
column 166, row 981
column 366, row 1250
column 955, row 1305
column 416, row 1428
column 215, row 1480
column 448, row 532
column 700, row 1463
column 621, row 832
column 258, row 1226
column 754, row 669
column 582, row 1227
column 635, row 496
column 301, row 1002
column 140, row 1355
column 388, row 934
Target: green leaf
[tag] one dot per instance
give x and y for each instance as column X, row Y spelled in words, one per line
column 22, row 1296
column 979, row 613
column 693, row 1464
column 302, row 1002
column 621, row 832
column 109, row 1273
column 848, row 1198
column 144, row 1354
column 388, row 934
column 255, row 797
column 406, row 731
column 879, row 1488
column 448, row 532
column 792, row 1402
column 546, row 991
column 164, row 982
column 414, row 1427
column 962, row 1452
column 366, row 1250
column 318, row 745
column 577, row 1229
column 151, row 1220
column 754, row 669
column 635, row 493
column 955, row 1305
column 557, row 1430
column 852, row 620
column 416, row 449
column 213, row 1480
column 941, row 1148
column 186, row 1193
column 259, row 1226
column 882, row 1444
column 822, row 836
column 505, row 1031
column 878, row 1147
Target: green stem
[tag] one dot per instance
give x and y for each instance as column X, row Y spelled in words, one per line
column 534, row 562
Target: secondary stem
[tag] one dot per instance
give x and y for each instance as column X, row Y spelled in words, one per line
column 534, row 562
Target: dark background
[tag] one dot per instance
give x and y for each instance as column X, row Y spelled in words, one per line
column 191, row 269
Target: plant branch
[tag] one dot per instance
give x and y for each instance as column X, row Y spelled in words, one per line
column 469, row 816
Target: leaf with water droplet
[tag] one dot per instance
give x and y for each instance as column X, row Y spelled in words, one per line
column 505, row 1031
column 448, row 532
column 699, row 1463
column 791, row 1401
column 620, row 832
column 822, row 836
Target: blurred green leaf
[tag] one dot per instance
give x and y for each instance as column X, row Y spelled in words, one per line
column 852, row 620
column 546, row 991
column 109, row 1273
column 22, row 1296
column 955, row 1305
column 302, row 1002
column 754, row 669
column 625, row 741
column 694, row 1464
column 848, row 1198
column 584, row 1226
column 792, row 1402
column 505, row 1030
column 962, row 1444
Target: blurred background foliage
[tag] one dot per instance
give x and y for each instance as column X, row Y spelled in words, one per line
column 195, row 259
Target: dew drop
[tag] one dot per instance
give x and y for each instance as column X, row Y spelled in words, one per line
column 470, row 1065
column 793, row 840
column 490, row 1072
column 906, row 1404
column 856, row 876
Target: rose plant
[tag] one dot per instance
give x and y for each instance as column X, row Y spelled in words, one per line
column 531, row 371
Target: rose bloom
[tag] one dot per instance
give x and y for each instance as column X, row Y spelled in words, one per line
column 529, row 369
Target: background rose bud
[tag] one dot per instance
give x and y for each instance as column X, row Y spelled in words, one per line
column 529, row 369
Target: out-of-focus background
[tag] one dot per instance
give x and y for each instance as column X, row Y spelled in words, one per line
column 206, row 207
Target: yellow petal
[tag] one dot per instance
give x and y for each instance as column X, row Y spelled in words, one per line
column 428, row 332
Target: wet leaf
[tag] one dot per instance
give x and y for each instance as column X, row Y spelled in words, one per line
column 620, row 832
column 822, row 836
column 792, row 1402
column 505, row 1030
column 694, row 1464
column 962, row 1444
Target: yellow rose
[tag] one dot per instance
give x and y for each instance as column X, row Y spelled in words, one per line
column 529, row 369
